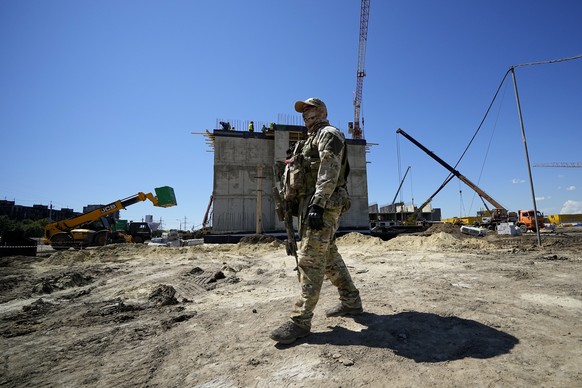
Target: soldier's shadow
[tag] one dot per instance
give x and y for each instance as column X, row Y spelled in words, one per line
column 423, row 337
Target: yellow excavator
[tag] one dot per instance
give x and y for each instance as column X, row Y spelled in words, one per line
column 94, row 228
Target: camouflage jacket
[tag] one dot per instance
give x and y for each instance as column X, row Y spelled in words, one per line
column 325, row 161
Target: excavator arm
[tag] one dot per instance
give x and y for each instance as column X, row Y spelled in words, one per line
column 164, row 198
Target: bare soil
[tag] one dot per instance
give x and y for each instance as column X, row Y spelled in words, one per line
column 441, row 309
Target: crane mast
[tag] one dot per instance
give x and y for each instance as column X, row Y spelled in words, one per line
column 356, row 130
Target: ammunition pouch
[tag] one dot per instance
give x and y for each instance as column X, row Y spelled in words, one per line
column 294, row 179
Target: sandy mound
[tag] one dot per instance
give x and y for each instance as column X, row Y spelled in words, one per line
column 112, row 253
column 437, row 238
column 446, row 228
column 358, row 239
column 440, row 241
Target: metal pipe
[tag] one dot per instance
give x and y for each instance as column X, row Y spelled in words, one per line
column 533, row 195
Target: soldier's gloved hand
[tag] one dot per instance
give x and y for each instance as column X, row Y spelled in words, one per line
column 315, row 217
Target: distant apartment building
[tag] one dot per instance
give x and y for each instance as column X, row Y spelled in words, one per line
column 34, row 212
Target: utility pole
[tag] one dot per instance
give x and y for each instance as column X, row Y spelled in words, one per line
column 533, row 195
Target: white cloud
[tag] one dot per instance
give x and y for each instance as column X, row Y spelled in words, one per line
column 571, row 207
column 516, row 181
column 540, row 198
column 571, row 188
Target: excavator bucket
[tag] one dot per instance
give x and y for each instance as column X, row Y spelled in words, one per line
column 166, row 196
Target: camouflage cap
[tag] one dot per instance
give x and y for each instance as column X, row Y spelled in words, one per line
column 300, row 105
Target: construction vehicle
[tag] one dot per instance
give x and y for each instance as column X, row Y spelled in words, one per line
column 94, row 228
column 526, row 220
column 492, row 217
column 135, row 232
column 139, row 232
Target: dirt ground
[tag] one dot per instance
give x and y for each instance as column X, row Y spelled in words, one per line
column 441, row 309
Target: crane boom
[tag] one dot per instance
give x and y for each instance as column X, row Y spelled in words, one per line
column 456, row 173
column 559, row 164
column 399, row 187
column 357, row 130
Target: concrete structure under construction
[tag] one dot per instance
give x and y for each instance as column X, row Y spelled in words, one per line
column 399, row 213
column 244, row 179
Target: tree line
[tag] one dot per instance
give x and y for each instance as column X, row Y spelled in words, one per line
column 29, row 227
column 32, row 228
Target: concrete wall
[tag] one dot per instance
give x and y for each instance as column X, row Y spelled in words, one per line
column 236, row 162
column 357, row 216
column 237, row 159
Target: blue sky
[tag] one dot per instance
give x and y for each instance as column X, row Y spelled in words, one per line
column 98, row 99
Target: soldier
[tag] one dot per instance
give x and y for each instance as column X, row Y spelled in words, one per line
column 322, row 200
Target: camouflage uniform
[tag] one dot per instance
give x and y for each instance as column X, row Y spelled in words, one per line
column 326, row 168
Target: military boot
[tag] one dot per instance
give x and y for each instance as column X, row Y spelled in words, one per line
column 288, row 333
column 350, row 304
column 341, row 311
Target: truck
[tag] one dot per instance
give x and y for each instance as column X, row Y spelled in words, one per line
column 135, row 232
column 139, row 231
column 94, row 228
column 526, row 220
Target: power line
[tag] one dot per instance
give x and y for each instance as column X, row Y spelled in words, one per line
column 550, row 61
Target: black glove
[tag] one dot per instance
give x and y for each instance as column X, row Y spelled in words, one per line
column 315, row 217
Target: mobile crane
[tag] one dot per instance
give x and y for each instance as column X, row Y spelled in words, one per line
column 94, row 228
column 497, row 215
column 524, row 219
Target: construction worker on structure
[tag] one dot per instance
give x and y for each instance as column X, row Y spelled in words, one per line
column 252, row 127
column 225, row 125
column 320, row 198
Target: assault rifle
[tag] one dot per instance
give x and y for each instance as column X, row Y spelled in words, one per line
column 284, row 213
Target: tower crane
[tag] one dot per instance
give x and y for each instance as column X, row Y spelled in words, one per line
column 355, row 129
column 559, row 164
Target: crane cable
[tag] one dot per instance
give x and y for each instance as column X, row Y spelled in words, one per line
column 499, row 88
column 493, row 100
column 461, row 203
column 450, row 176
column 399, row 164
column 489, row 145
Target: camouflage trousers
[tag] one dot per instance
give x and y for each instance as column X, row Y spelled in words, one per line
column 319, row 258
